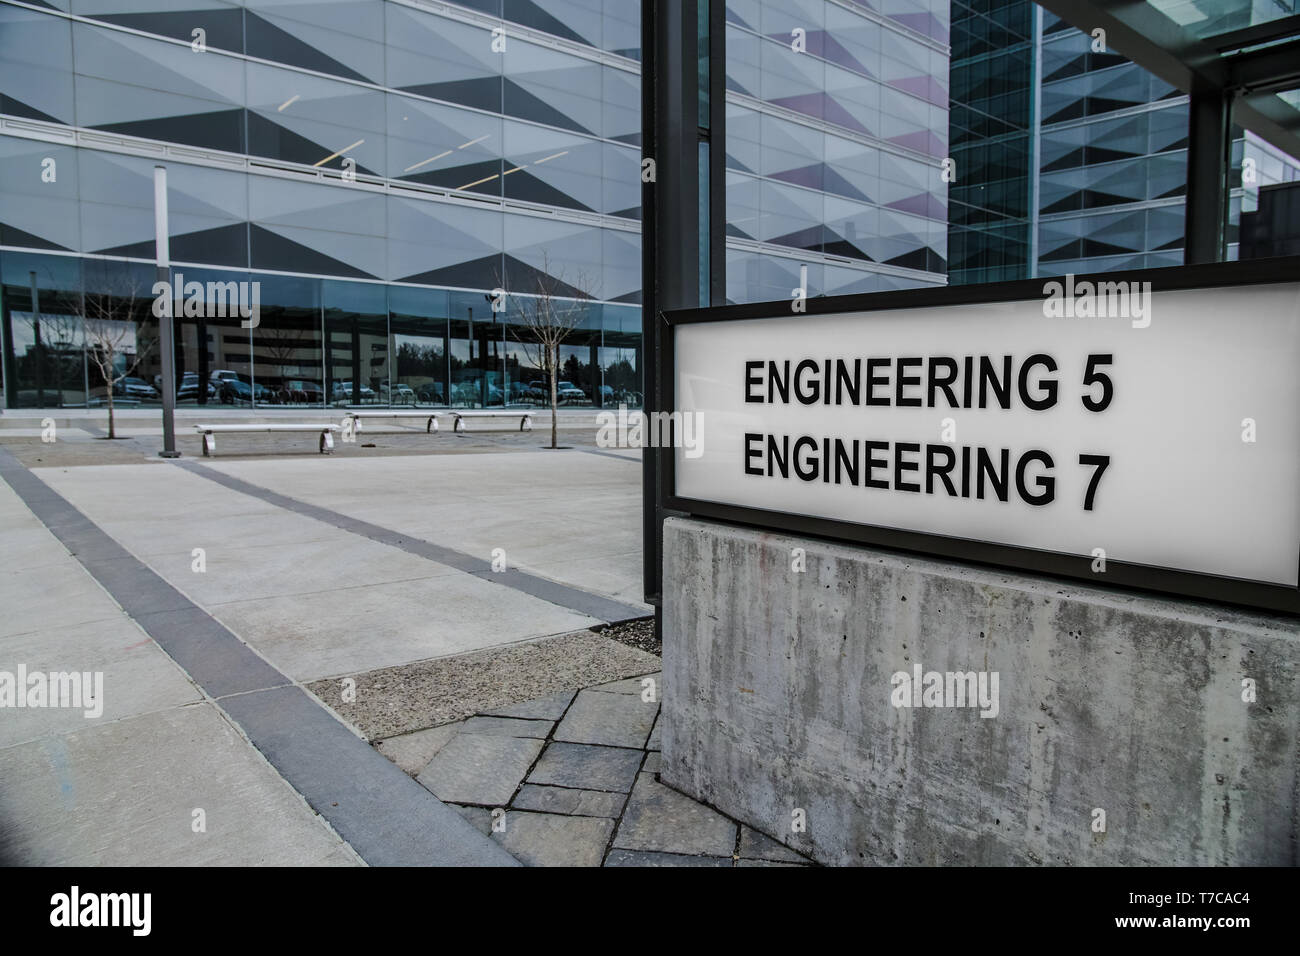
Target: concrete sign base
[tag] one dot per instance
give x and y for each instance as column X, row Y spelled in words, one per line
column 873, row 708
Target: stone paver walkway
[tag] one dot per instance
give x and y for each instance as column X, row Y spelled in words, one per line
column 572, row 780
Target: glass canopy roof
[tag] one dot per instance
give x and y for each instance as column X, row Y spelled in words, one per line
column 1246, row 49
column 1208, row 18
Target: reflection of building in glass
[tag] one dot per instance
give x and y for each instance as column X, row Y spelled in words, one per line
column 990, row 119
column 837, row 127
column 1070, row 158
column 1272, row 228
column 377, row 166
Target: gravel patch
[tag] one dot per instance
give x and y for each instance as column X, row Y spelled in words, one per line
column 69, row 452
column 398, row 700
column 639, row 634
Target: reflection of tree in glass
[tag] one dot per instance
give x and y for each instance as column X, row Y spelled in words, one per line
column 422, row 366
column 113, row 327
column 415, row 359
column 280, row 344
column 622, row 378
column 550, row 308
column 574, row 371
column 418, row 364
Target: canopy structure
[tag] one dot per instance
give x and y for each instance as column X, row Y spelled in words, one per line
column 1239, row 60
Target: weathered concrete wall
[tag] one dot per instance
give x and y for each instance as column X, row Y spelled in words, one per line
column 777, row 696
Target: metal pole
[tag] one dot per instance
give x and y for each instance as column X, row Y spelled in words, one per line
column 166, row 323
column 6, row 366
column 670, row 237
column 37, row 345
column 1035, row 136
column 1208, row 147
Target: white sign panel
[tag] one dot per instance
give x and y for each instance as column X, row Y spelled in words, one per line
column 1166, row 435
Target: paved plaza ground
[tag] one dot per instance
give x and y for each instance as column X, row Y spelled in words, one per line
column 416, row 650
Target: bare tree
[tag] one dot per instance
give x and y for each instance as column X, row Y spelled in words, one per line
column 113, row 331
column 550, row 309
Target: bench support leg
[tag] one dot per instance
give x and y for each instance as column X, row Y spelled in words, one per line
column 432, row 426
column 326, row 443
column 459, row 426
column 526, row 423
column 209, row 444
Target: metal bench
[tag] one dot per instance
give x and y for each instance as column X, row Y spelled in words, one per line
column 430, row 426
column 525, row 419
column 210, row 443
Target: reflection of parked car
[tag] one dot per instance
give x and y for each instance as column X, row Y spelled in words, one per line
column 132, row 387
column 568, row 392
column 308, row 393
column 466, row 393
column 233, row 391
column 399, row 394
column 342, row 392
column 473, row 393
column 431, row 392
column 189, row 388
column 537, row 392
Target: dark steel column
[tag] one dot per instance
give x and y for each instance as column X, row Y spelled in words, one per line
column 201, row 333
column 356, row 361
column 10, row 368
column 1208, row 144
column 38, row 347
column 717, row 153
column 669, row 221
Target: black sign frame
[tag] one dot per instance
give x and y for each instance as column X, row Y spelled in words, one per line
column 1166, row 581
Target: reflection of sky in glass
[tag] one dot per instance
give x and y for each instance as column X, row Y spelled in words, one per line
column 1182, row 12
column 57, row 331
column 1205, row 18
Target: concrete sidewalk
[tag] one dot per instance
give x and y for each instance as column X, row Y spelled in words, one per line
column 126, row 788
column 288, row 570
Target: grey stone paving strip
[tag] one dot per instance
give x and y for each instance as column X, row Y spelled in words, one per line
column 388, row 818
column 610, row 454
column 575, row 599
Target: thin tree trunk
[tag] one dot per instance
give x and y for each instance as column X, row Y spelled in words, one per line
column 112, row 433
column 555, row 396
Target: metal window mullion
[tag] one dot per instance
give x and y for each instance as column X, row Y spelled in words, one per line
column 1208, row 143
column 717, row 153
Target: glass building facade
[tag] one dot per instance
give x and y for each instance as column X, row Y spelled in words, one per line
column 378, row 167
column 381, row 167
column 837, row 129
column 1073, row 159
